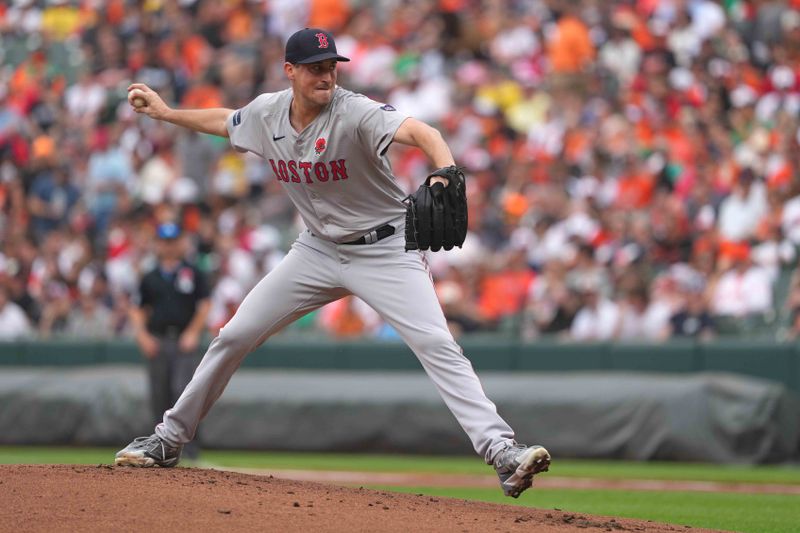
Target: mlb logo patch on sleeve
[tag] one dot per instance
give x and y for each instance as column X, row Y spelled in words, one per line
column 237, row 118
column 388, row 107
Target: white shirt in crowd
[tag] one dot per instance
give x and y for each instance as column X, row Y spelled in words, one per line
column 646, row 326
column 596, row 324
column 622, row 57
column 13, row 322
column 226, row 296
column 790, row 220
column 742, row 293
column 739, row 215
column 773, row 255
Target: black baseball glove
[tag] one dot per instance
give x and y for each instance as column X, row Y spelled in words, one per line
column 436, row 216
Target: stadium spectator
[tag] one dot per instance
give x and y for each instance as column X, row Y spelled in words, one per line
column 693, row 319
column 504, row 288
column 744, row 289
column 13, row 322
column 741, row 211
column 585, row 271
column 551, row 305
column 790, row 219
column 621, row 54
column 640, row 318
column 109, row 178
column 51, row 201
column 598, row 318
column 570, row 46
column 56, row 309
column 347, row 318
column 461, row 309
column 91, row 320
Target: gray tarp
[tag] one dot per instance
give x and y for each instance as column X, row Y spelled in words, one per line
column 697, row 417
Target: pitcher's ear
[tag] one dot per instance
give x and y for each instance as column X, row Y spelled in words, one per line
column 288, row 68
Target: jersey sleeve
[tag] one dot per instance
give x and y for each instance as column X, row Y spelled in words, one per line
column 246, row 126
column 375, row 123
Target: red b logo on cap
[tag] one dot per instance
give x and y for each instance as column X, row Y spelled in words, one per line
column 323, row 40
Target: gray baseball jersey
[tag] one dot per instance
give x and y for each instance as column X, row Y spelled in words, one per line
column 335, row 171
column 337, row 174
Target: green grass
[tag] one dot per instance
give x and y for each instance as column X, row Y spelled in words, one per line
column 409, row 463
column 756, row 513
column 761, row 513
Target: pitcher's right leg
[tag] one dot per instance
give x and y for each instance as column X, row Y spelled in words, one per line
column 306, row 279
column 302, row 282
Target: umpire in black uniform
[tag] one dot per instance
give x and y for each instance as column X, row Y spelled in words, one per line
column 169, row 322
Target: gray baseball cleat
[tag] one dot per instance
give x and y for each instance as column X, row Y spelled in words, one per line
column 147, row 452
column 516, row 466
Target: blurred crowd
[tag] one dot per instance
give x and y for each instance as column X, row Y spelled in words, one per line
column 631, row 163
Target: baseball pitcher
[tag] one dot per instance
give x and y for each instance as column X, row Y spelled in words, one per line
column 327, row 147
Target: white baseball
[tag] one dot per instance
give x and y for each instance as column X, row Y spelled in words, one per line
column 136, row 98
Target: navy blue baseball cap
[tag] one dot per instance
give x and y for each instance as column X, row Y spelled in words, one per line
column 310, row 45
column 168, row 230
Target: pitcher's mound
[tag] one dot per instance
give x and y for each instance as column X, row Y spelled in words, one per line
column 104, row 498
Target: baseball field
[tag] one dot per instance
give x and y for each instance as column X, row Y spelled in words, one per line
column 240, row 491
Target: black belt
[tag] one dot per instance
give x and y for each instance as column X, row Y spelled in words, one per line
column 374, row 235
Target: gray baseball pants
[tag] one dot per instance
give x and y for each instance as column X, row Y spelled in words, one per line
column 397, row 284
column 169, row 372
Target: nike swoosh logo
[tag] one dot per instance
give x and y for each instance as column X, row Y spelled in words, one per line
column 276, row 138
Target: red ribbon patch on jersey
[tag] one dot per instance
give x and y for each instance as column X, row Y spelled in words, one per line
column 319, row 146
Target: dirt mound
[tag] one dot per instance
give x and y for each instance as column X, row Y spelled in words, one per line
column 104, row 498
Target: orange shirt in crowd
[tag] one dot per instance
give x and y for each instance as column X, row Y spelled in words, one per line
column 679, row 144
column 781, row 177
column 577, row 143
column 572, row 48
column 196, row 54
column 503, row 293
column 115, row 12
column 342, row 320
column 328, row 14
column 634, row 191
column 515, row 206
column 239, row 26
column 640, row 33
column 204, row 96
column 452, row 6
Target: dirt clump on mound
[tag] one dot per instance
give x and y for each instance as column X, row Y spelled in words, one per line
column 104, row 498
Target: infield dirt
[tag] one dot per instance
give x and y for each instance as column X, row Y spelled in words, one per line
column 105, row 498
